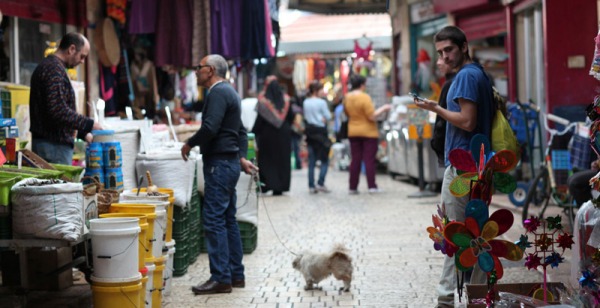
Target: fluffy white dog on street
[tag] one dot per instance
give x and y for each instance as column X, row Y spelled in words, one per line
column 316, row 267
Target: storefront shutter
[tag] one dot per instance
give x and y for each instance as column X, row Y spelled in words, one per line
column 483, row 25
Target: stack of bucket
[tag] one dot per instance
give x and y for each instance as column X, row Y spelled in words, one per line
column 168, row 251
column 156, row 208
column 117, row 281
column 104, row 160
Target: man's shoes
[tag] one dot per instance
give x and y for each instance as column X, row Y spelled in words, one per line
column 211, row 287
column 238, row 283
column 323, row 189
column 312, row 190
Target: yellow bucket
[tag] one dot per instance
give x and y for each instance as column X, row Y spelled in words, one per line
column 158, row 282
column 171, row 193
column 118, row 294
column 144, row 209
column 143, row 247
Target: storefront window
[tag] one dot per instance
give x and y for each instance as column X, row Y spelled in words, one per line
column 31, row 38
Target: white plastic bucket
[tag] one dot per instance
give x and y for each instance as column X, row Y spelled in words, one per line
column 115, row 247
column 149, row 284
column 168, row 272
column 160, row 223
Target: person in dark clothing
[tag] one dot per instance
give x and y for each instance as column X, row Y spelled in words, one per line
column 438, row 140
column 273, row 134
column 54, row 118
column 297, row 133
column 579, row 183
column 223, row 143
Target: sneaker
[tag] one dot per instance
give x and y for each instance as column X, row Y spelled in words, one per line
column 353, row 192
column 323, row 189
column 375, row 190
column 312, row 190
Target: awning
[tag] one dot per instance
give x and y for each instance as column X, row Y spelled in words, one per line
column 333, row 46
column 339, row 6
column 315, row 33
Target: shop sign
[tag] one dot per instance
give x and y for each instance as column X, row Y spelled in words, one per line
column 422, row 11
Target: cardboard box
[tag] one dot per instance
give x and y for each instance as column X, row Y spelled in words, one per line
column 479, row 291
column 42, row 268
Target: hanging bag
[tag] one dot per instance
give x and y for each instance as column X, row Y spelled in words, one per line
column 503, row 137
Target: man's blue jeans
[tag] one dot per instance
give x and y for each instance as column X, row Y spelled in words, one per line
column 312, row 162
column 53, row 152
column 220, row 226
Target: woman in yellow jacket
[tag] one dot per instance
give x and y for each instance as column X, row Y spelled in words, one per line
column 362, row 133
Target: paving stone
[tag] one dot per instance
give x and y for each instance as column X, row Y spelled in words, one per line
column 395, row 264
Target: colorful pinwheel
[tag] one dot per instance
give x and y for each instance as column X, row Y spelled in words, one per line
column 476, row 241
column 545, row 243
column 437, row 235
column 482, row 170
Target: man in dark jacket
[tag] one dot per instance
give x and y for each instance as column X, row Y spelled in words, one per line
column 223, row 143
column 54, row 118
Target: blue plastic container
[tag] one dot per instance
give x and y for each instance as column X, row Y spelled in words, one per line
column 94, row 156
column 97, row 174
column 113, row 179
column 112, row 154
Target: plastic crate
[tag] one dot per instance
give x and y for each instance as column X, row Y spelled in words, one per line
column 6, row 183
column 73, row 173
column 249, row 235
column 581, row 152
column 6, row 104
column 32, row 172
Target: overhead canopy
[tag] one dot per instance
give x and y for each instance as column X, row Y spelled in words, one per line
column 315, row 33
column 339, row 6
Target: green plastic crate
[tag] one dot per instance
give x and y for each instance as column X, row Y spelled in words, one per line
column 73, row 173
column 6, row 183
column 249, row 235
column 33, row 172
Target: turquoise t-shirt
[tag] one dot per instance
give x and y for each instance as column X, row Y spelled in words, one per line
column 471, row 84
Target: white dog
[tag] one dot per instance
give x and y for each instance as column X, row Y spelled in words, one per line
column 316, row 267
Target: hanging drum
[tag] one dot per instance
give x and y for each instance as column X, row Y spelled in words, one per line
column 107, row 42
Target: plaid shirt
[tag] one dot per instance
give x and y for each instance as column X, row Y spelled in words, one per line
column 52, row 104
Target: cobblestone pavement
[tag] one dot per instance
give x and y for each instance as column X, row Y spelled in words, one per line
column 395, row 264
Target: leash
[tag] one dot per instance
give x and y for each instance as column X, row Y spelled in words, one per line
column 254, row 185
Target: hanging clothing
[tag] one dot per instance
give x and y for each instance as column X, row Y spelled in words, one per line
column 254, row 45
column 226, row 27
column 201, row 30
column 174, row 33
column 143, row 76
column 108, row 85
column 142, row 16
column 362, row 52
column 268, row 29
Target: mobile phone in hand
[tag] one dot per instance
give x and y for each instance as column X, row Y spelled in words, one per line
column 415, row 96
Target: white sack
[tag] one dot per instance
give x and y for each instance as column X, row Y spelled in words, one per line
column 169, row 170
column 47, row 209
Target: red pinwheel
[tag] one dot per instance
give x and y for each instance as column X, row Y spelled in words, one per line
column 476, row 241
column 484, row 173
